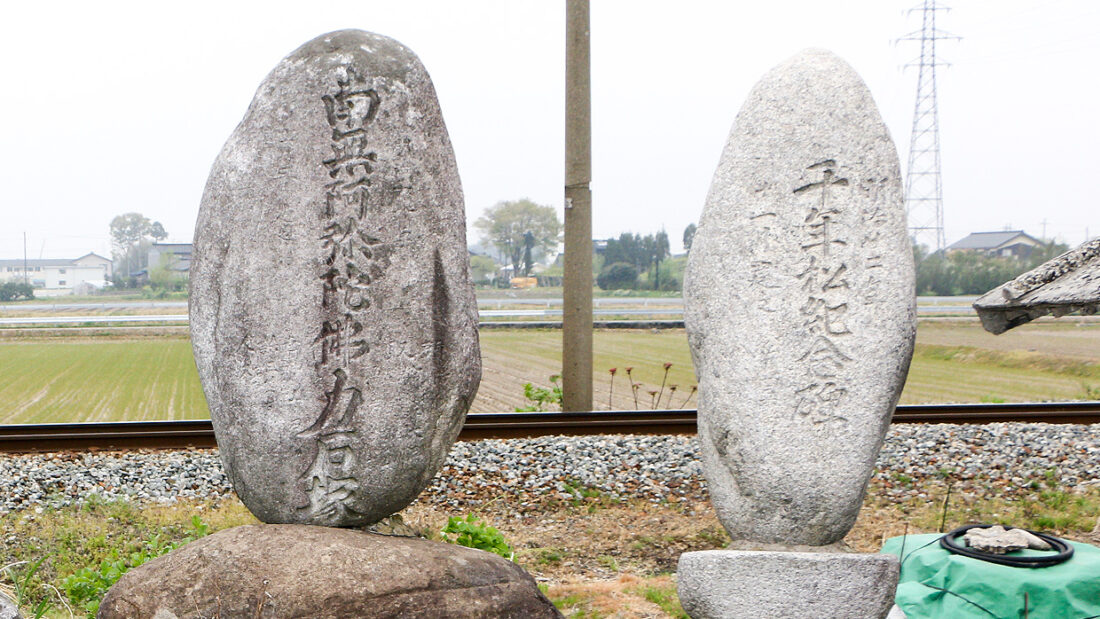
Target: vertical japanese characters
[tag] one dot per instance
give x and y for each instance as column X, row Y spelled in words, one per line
column 351, row 260
column 823, row 275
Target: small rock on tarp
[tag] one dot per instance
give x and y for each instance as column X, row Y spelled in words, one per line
column 998, row 540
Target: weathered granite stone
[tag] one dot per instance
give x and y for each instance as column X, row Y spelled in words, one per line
column 799, row 305
column 734, row 584
column 332, row 315
column 324, row 572
column 1068, row 283
column 998, row 540
column 8, row 609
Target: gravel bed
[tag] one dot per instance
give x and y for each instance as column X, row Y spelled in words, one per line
column 1001, row 458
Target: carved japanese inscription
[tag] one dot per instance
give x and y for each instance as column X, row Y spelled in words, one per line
column 332, row 314
column 351, row 260
column 823, row 276
column 799, row 305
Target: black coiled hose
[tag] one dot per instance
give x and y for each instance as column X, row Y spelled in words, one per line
column 1065, row 550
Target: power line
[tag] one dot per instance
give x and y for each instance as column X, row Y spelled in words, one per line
column 923, row 185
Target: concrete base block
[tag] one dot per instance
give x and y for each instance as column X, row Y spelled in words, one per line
column 734, row 584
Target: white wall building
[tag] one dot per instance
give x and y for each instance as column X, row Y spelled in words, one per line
column 58, row 275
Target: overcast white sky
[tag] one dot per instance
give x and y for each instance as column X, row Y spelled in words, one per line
column 112, row 107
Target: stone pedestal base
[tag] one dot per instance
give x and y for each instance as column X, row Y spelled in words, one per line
column 732, row 584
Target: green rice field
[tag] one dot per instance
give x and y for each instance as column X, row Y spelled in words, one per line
column 133, row 377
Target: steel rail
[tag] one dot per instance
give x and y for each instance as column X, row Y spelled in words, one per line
column 126, row 435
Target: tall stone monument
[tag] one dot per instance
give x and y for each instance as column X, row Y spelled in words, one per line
column 334, row 327
column 332, row 315
column 800, row 312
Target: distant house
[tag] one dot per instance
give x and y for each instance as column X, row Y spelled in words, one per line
column 59, row 275
column 1003, row 243
column 175, row 256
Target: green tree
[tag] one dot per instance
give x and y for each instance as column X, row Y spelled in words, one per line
column 618, row 276
column 689, row 236
column 627, row 248
column 639, row 251
column 482, row 269
column 970, row 272
column 506, row 224
column 164, row 276
column 13, row 291
column 156, row 230
column 1046, row 251
column 131, row 235
column 660, row 252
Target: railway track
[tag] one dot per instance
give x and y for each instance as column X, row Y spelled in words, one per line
column 199, row 433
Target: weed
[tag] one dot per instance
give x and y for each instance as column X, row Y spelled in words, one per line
column 22, row 580
column 541, row 397
column 992, row 399
column 1051, row 477
column 86, row 587
column 473, row 534
column 1091, row 392
column 609, row 562
column 578, row 603
column 902, row 479
column 1055, row 499
column 665, row 597
column 546, row 556
column 1052, row 523
column 581, row 493
column 713, row 537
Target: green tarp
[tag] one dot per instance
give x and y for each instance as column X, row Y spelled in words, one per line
column 937, row 584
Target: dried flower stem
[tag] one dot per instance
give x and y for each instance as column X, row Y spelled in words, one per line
column 694, row 388
column 611, row 389
column 663, row 379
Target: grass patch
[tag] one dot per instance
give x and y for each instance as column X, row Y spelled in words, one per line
column 1068, row 513
column 1017, row 360
column 662, row 593
column 96, row 380
column 83, row 549
column 117, row 378
column 616, row 562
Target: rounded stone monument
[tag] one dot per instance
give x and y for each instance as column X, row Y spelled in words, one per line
column 800, row 311
column 333, row 318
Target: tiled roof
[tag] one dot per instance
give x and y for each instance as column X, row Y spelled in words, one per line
column 986, row 240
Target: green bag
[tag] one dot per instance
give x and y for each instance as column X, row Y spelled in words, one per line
column 937, row 584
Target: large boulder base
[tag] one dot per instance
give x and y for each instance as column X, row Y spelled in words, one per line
column 333, row 319
column 799, row 305
column 324, row 573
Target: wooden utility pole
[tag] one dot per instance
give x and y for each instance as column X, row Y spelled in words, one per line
column 577, row 282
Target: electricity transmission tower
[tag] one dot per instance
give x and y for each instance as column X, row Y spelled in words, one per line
column 923, row 188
